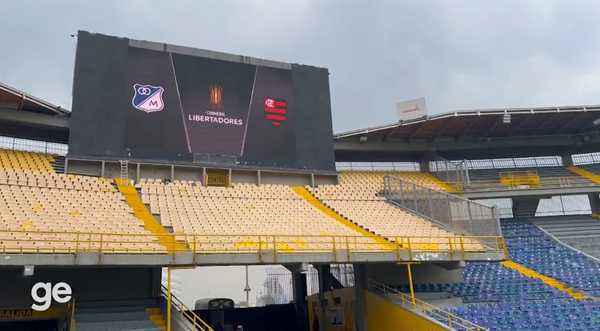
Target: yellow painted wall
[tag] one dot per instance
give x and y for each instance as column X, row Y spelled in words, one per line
column 381, row 314
column 385, row 316
column 30, row 314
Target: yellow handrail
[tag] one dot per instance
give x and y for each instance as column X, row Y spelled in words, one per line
column 439, row 314
column 516, row 178
column 189, row 314
column 21, row 241
column 72, row 317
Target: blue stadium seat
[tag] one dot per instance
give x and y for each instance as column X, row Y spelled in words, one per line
column 502, row 299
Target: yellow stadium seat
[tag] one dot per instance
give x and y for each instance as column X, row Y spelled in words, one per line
column 35, row 198
column 358, row 197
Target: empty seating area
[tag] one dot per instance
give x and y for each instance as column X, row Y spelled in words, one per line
column 36, row 204
column 230, row 218
column 386, row 219
column 531, row 247
column 502, row 299
column 594, row 168
column 20, row 161
column 579, row 232
column 556, row 176
column 509, row 301
column 52, row 209
column 358, row 198
column 58, row 181
column 368, row 185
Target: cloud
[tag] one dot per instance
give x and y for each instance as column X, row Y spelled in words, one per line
column 458, row 54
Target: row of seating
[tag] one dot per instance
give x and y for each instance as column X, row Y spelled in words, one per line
column 26, row 208
column 368, row 185
column 195, row 188
column 502, row 299
column 531, row 247
column 25, row 161
column 358, row 197
column 53, row 180
column 594, row 168
column 35, row 201
column 244, row 210
column 555, row 176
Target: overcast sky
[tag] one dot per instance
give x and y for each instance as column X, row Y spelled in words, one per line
column 458, row 54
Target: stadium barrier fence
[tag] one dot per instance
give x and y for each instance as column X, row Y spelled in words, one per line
column 377, row 166
column 544, row 182
column 453, row 322
column 119, row 243
column 460, row 215
column 36, row 146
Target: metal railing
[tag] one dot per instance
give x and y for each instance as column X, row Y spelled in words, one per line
column 589, row 158
column 545, row 182
column 508, row 163
column 36, row 242
column 459, row 172
column 454, row 173
column 180, row 308
column 518, row 174
column 28, row 145
column 453, row 212
column 377, row 166
column 425, row 309
column 518, row 178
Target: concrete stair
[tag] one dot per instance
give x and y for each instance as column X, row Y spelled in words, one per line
column 113, row 317
column 59, row 164
column 579, row 232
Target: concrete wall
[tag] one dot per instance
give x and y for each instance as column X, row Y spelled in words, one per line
column 385, row 316
column 382, row 315
column 88, row 284
column 424, row 273
column 248, row 177
column 112, row 169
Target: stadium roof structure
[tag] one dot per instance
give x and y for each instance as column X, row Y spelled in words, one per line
column 477, row 134
column 25, row 116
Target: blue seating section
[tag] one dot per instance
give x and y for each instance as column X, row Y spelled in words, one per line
column 502, row 299
column 531, row 247
column 554, row 314
column 491, row 282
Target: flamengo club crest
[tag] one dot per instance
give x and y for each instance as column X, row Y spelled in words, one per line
column 276, row 111
column 148, row 98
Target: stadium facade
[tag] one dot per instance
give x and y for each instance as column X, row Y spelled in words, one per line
column 182, row 158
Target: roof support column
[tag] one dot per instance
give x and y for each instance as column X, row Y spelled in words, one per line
column 524, row 206
column 324, row 286
column 360, row 295
column 300, row 292
column 567, row 159
column 594, row 203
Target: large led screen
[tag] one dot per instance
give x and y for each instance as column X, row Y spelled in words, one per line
column 138, row 100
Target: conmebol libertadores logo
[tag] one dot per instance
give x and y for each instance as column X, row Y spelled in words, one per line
column 148, row 98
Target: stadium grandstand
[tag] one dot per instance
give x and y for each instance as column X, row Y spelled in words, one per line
column 472, row 220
